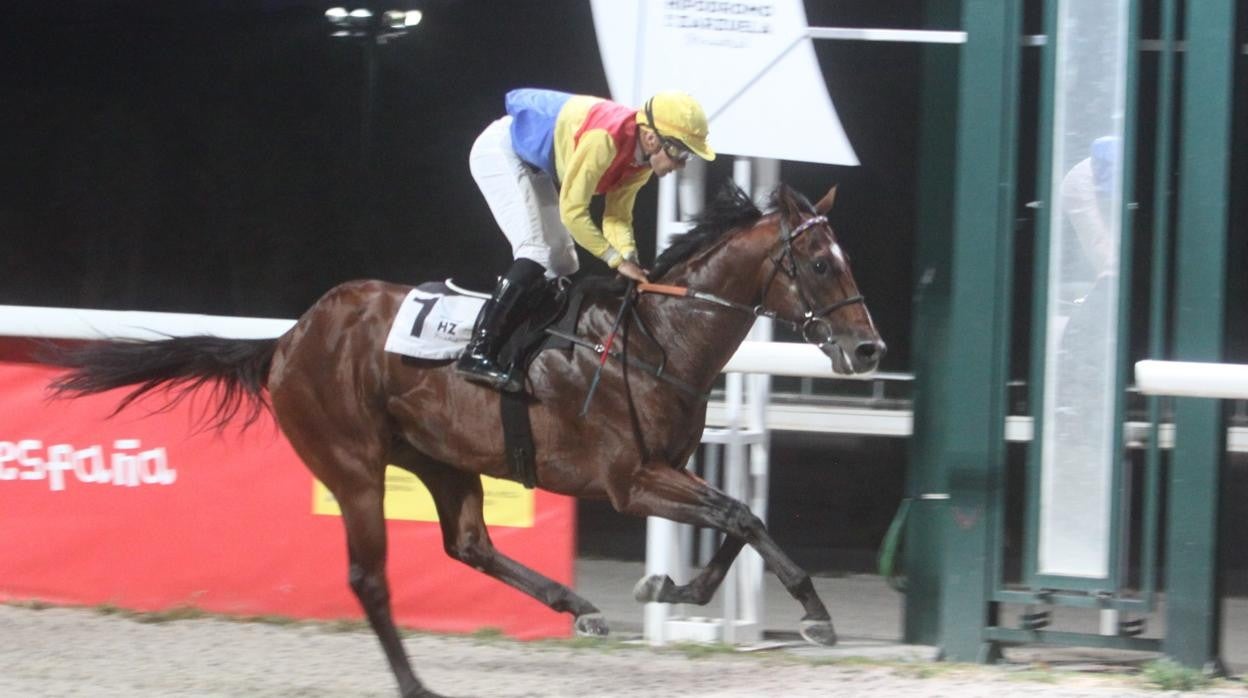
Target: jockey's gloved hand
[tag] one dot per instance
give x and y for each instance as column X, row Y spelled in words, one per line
column 632, row 270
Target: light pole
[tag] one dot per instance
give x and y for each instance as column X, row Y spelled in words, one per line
column 371, row 30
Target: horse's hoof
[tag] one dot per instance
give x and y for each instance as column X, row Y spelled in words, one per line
column 651, row 588
column 591, row 625
column 819, row 632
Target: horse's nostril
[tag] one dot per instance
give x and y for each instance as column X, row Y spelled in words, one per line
column 868, row 351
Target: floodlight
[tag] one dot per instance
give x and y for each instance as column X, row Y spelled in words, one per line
column 401, row 19
column 337, row 15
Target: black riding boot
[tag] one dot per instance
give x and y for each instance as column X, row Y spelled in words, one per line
column 479, row 362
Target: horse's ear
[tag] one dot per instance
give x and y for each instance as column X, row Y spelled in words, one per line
column 825, row 204
column 788, row 201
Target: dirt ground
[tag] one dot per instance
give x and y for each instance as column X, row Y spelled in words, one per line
column 83, row 652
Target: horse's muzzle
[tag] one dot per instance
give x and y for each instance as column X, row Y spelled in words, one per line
column 870, row 353
column 862, row 357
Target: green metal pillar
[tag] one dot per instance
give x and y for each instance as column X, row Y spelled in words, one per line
column 1192, row 599
column 961, row 329
column 924, row 546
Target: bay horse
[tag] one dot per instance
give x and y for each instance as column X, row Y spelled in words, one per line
column 348, row 408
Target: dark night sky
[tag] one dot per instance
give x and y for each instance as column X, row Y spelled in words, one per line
column 206, row 157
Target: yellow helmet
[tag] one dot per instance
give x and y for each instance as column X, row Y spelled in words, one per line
column 677, row 115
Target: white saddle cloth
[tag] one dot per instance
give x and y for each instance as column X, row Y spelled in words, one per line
column 434, row 322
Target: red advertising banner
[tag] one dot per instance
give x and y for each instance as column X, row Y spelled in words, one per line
column 141, row 512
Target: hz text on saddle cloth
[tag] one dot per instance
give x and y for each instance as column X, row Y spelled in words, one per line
column 433, row 323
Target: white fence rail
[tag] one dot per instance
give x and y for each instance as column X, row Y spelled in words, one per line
column 73, row 323
column 773, row 358
column 1192, row 379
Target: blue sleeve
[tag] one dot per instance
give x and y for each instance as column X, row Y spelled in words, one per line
column 533, row 113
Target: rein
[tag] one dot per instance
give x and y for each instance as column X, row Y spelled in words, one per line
column 811, row 318
column 785, row 261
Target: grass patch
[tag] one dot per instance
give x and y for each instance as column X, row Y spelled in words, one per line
column 188, row 612
column 268, row 619
column 927, row 670
column 488, row 634
column 847, row 662
column 580, row 642
column 1032, row 676
column 917, row 671
column 701, row 650
column 1168, row 675
column 345, row 625
column 168, row 615
column 30, row 604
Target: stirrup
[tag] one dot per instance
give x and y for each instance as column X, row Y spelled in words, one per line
column 481, row 370
column 512, row 382
column 476, row 364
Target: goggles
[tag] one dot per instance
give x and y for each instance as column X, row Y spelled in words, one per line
column 672, row 147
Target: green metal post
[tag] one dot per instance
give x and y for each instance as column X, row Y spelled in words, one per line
column 923, row 550
column 1159, row 280
column 963, row 330
column 1192, row 599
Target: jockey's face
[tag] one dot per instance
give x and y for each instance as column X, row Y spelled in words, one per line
column 663, row 157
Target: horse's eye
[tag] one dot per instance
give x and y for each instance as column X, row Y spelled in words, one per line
column 820, row 266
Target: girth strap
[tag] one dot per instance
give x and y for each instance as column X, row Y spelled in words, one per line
column 518, row 438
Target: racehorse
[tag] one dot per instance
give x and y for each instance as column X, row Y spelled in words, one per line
column 348, row 408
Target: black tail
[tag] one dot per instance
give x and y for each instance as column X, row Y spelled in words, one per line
column 237, row 368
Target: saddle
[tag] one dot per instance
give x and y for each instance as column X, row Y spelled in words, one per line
column 550, row 315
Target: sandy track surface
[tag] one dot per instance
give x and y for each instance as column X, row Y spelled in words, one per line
column 81, row 652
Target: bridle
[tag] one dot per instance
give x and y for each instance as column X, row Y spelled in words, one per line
column 786, row 261
column 783, row 261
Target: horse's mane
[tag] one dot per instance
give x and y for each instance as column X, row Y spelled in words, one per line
column 732, row 208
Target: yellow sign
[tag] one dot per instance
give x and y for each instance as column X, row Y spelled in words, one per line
column 507, row 503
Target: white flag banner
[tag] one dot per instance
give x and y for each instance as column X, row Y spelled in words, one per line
column 751, row 65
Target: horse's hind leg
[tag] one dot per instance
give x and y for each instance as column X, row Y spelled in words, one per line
column 458, row 497
column 363, row 515
column 672, row 493
column 349, row 459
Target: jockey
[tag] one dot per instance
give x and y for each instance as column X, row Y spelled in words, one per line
column 541, row 164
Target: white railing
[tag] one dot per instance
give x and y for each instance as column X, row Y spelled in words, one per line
column 1192, row 379
column 774, row 358
column 73, row 323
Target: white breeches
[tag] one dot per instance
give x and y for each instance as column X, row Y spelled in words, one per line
column 523, row 200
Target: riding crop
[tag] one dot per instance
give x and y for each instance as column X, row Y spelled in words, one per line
column 606, row 348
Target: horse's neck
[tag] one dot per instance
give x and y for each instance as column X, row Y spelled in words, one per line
column 700, row 337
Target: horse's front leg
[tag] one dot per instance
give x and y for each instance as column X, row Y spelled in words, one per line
column 660, row 587
column 459, row 499
column 673, row 493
